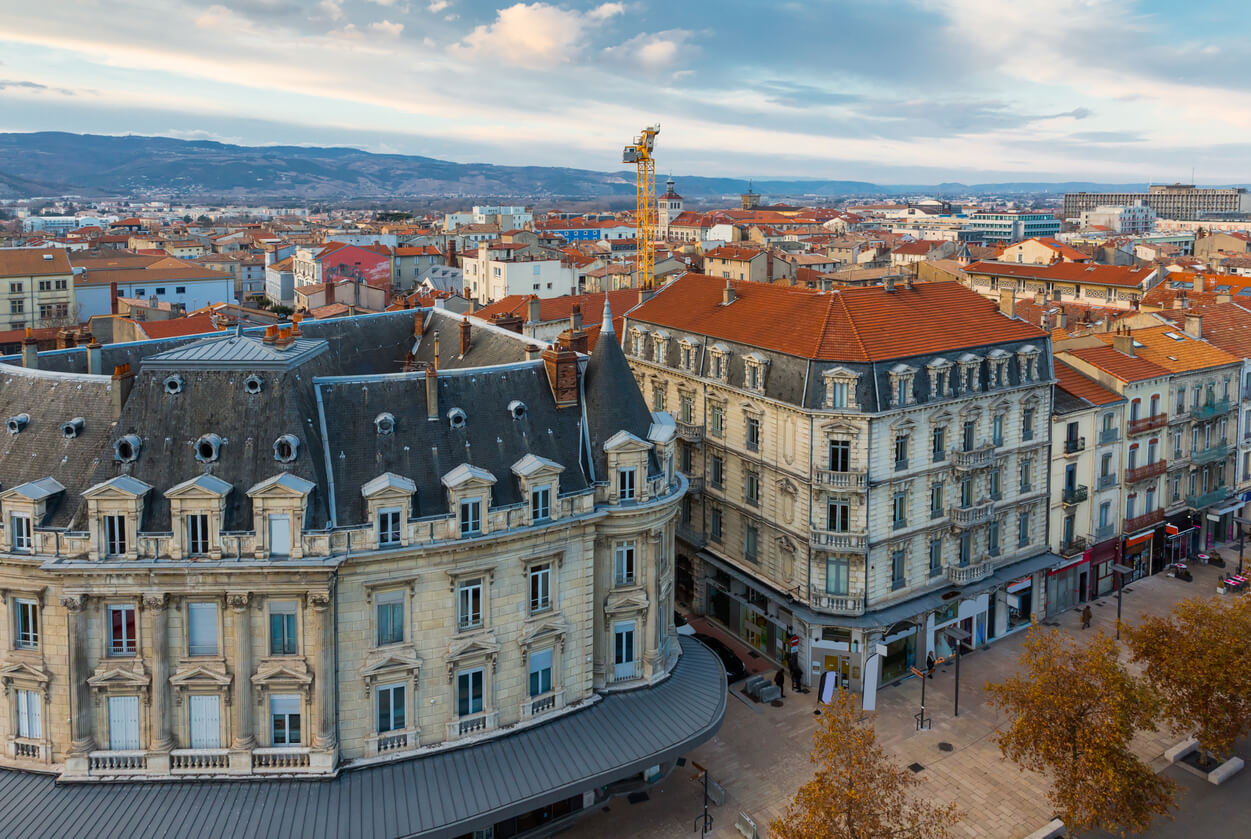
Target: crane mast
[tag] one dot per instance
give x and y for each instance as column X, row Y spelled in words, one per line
column 639, row 153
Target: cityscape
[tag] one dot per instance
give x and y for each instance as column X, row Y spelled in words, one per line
column 750, row 453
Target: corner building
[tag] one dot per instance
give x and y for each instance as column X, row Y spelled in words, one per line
column 407, row 552
column 868, row 466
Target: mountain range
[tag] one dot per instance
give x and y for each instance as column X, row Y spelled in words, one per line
column 46, row 164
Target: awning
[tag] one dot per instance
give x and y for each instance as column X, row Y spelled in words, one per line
column 1229, row 508
column 1019, row 585
column 1135, row 541
column 1081, row 560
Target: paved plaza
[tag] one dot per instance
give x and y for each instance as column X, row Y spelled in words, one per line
column 760, row 756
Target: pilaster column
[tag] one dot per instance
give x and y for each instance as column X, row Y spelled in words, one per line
column 241, row 706
column 81, row 708
column 324, row 735
column 155, row 605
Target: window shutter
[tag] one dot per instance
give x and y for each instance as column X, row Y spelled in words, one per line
column 284, row 704
column 205, row 722
column 123, row 722
column 202, row 628
column 23, row 717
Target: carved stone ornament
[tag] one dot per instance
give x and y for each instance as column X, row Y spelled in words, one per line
column 237, row 600
column 155, row 601
column 74, row 602
column 319, row 599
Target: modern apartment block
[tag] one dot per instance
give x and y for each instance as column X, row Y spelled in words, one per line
column 868, row 467
column 39, row 287
column 1168, row 201
column 388, row 553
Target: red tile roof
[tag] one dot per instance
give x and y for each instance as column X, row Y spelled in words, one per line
column 1082, row 386
column 560, row 308
column 853, row 324
column 1067, row 272
column 30, row 262
column 191, row 325
column 1117, row 364
column 734, row 253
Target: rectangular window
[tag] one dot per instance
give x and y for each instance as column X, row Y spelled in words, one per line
column 623, row 565
column 390, row 708
column 996, row 491
column 751, row 537
column 996, row 430
column 282, row 638
column 469, row 692
column 205, row 714
column 753, row 434
column 966, row 548
column 658, row 394
column 1022, row 529
column 197, row 535
column 899, row 512
column 389, row 613
column 121, row 630
column 29, row 715
column 837, row 573
column 714, row 524
column 279, row 534
column 684, row 458
column 940, row 444
column 901, row 452
column 969, row 439
column 389, row 526
column 115, row 535
column 202, row 629
column 623, row 650
column 469, row 604
column 1027, row 424
column 27, row 628
column 716, row 420
column 992, row 538
column 751, row 488
column 897, row 570
column 840, row 455
column 540, row 587
column 1026, row 468
column 541, row 504
column 838, row 394
column 838, row 516
column 686, row 408
column 470, row 516
column 936, row 557
column 625, row 484
column 20, row 524
column 284, row 714
column 540, row 672
column 716, row 471
column 936, row 499
column 123, row 723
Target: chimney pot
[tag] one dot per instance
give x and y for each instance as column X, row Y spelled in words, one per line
column 432, row 393
column 1194, row 325
column 533, row 310
column 466, row 336
column 575, row 317
column 271, row 334
column 30, row 350
column 727, row 294
column 1123, row 342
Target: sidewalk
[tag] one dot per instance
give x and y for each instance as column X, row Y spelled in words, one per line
column 760, row 755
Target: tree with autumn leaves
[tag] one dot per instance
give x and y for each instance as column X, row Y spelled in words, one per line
column 1198, row 659
column 1072, row 714
column 857, row 791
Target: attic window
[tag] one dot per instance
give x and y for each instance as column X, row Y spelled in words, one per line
column 207, row 448
column 126, row 449
column 252, row 384
column 384, row 423
column 456, row 418
column 517, row 409
column 286, row 448
column 1138, row 343
column 17, row 422
column 173, row 384
column 1174, row 336
column 73, row 428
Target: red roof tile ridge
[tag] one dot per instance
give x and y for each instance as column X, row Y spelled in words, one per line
column 851, row 322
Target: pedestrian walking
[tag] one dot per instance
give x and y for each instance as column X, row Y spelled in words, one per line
column 929, row 664
column 796, row 674
column 1086, row 616
column 780, row 681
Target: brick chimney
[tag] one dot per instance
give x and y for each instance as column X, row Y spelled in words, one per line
column 123, row 380
column 576, row 340
column 575, row 317
column 30, row 350
column 533, row 351
column 451, row 253
column 1123, row 342
column 271, row 334
column 1194, row 325
column 466, row 336
column 513, row 323
column 561, row 364
column 295, row 326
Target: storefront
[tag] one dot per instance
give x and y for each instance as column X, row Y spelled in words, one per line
column 1137, row 553
column 744, row 611
column 1068, row 584
column 1019, row 600
column 1180, row 538
column 901, row 651
column 1221, row 526
column 1102, row 557
column 968, row 614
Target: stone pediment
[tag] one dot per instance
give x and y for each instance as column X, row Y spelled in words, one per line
column 472, row 646
column 842, row 427
column 537, row 631
column 532, row 466
column 119, row 677
column 466, row 475
column 389, row 483
column 201, row 676
column 402, row 657
column 624, row 441
column 23, row 671
column 620, row 602
column 276, row 675
column 284, row 484
column 123, row 486
column 201, row 486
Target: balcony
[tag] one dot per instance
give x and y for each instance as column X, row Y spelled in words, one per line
column 695, row 486
column 472, row 724
column 690, row 432
column 691, row 535
column 1211, row 454
column 1207, row 499
column 1207, row 410
column 962, row 575
column 848, row 604
column 394, row 741
column 972, row 516
column 1103, row 534
column 1074, row 495
column 120, row 762
column 830, row 540
column 827, row 478
column 1109, row 435
column 1145, row 520
column 1074, row 546
column 1073, row 445
column 538, row 705
column 281, row 759
column 1141, row 473
column 1107, row 481
column 626, row 671
column 198, row 761
column 978, row 458
column 1145, row 424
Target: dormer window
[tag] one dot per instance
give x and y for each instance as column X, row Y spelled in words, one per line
column 660, row 347
column 840, row 389
column 970, row 373
column 689, row 354
column 901, row 377
column 755, row 366
column 541, row 503
column 22, row 537
column 625, row 483
column 998, row 368
column 719, row 363
column 389, row 526
column 115, row 535
column 638, row 337
column 198, row 534
column 470, row 516
column 1027, row 361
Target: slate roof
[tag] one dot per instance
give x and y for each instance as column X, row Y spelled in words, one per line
column 613, row 400
column 235, row 351
column 445, row 794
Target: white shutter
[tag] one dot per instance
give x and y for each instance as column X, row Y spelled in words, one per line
column 202, row 628
column 280, row 535
column 23, row 718
column 284, row 704
column 123, row 722
column 35, row 715
column 206, row 722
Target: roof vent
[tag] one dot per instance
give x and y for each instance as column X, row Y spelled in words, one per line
column 173, row 384
column 517, row 409
column 456, row 418
column 47, row 257
column 17, row 423
column 252, row 384
column 73, row 428
column 384, row 423
column 286, row 448
column 126, row 449
column 207, row 448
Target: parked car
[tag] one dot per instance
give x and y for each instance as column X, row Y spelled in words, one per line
column 684, row 628
column 734, row 667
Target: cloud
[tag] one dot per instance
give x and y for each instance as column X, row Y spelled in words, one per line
column 437, row 6
column 387, row 28
column 331, row 9
column 654, row 51
column 12, row 84
column 535, row 35
column 796, row 95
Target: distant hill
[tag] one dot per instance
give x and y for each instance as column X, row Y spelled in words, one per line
column 54, row 163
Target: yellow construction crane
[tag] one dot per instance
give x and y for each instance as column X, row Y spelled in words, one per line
column 640, row 153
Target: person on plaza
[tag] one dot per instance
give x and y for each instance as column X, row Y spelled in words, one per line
column 780, row 681
column 929, row 664
column 1086, row 616
column 796, row 674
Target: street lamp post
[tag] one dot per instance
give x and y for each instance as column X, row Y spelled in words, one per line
column 959, row 636
column 1121, row 571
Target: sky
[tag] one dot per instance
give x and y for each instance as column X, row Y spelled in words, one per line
column 891, row 91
